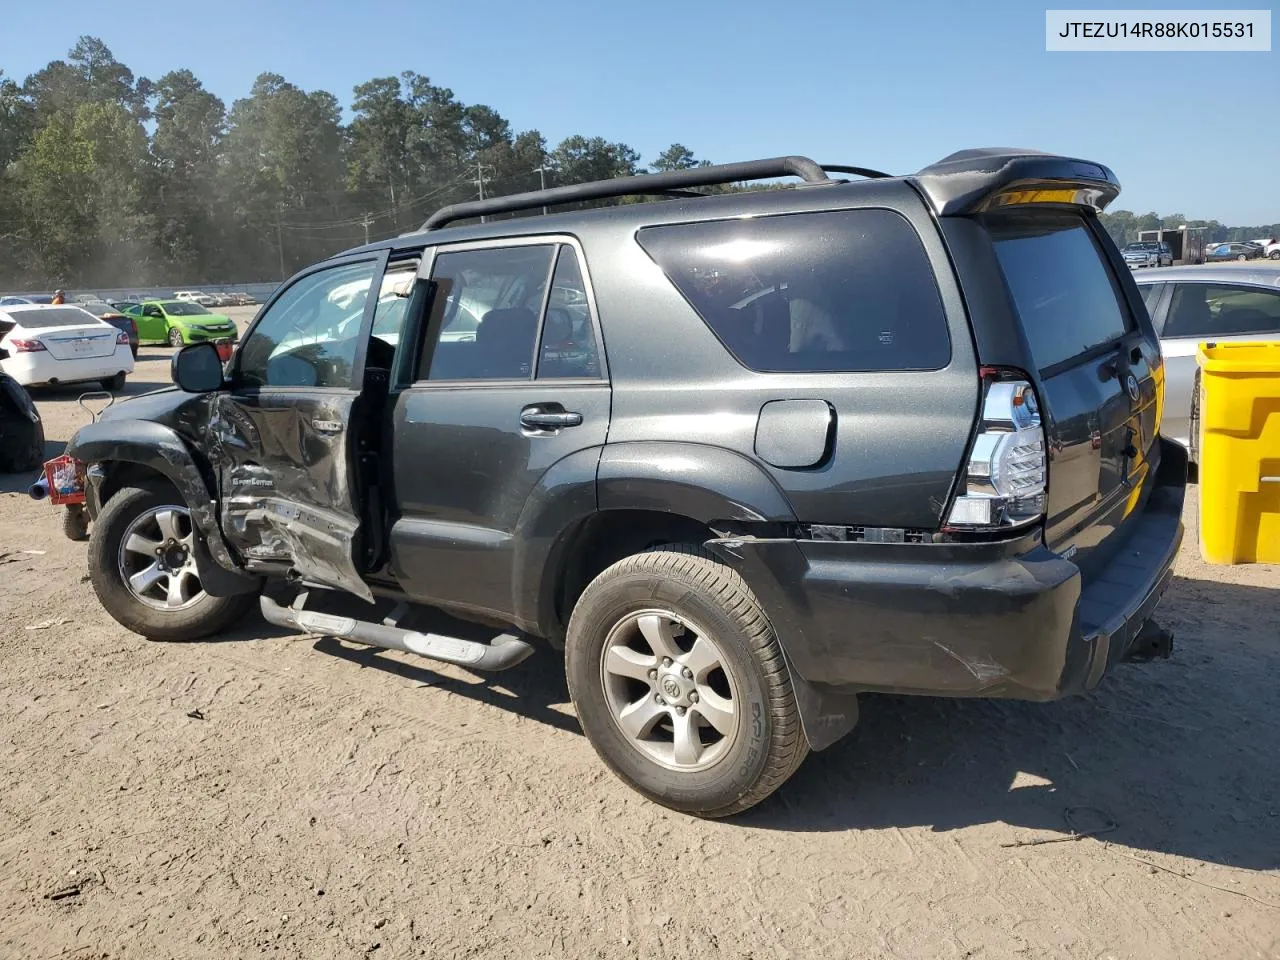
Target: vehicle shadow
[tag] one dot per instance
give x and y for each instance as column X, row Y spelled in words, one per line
column 530, row 689
column 1177, row 757
column 250, row 627
column 1180, row 755
column 19, row 482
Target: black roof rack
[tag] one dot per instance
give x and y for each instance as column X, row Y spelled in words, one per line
column 649, row 184
column 860, row 171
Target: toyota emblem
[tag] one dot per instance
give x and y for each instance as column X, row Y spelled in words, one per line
column 1131, row 385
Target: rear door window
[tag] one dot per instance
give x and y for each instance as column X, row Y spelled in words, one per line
column 1222, row 310
column 838, row 292
column 1062, row 288
column 492, row 300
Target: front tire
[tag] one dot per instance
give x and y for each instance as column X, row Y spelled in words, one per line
column 680, row 684
column 175, row 338
column 1242, row 257
column 143, row 571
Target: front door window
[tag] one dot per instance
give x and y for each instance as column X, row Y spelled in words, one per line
column 307, row 338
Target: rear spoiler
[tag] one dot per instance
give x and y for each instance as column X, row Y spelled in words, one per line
column 973, row 181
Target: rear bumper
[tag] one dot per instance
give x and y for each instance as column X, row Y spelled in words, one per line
column 1012, row 620
column 37, row 369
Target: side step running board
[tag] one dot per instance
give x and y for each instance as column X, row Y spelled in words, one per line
column 503, row 652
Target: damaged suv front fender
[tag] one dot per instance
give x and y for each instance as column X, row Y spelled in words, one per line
column 161, row 450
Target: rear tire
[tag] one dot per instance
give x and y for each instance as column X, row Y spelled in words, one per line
column 738, row 702
column 128, row 515
column 75, row 524
column 175, row 338
column 1242, row 257
column 1193, row 441
column 1274, row 255
column 113, row 384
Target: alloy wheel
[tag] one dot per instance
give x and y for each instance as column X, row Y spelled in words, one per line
column 669, row 691
column 157, row 559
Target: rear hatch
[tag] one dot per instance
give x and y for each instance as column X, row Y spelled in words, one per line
column 68, row 333
column 1095, row 365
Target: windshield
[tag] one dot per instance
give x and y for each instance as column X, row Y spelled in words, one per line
column 1143, row 246
column 180, row 308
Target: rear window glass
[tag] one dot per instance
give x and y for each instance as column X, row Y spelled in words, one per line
column 1061, row 286
column 838, row 292
column 53, row 317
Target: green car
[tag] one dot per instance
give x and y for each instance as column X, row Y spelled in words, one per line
column 177, row 322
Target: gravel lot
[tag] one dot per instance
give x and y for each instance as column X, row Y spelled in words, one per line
column 272, row 795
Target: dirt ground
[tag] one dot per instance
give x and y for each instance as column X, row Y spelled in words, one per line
column 284, row 796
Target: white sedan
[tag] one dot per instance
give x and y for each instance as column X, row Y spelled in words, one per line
column 62, row 344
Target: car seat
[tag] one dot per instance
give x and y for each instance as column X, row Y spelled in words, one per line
column 504, row 343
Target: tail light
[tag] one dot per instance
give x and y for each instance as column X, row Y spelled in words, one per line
column 122, row 337
column 1004, row 485
column 27, row 346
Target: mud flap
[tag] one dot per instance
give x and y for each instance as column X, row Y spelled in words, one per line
column 826, row 715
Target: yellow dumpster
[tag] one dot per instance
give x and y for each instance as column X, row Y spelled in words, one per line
column 1239, row 452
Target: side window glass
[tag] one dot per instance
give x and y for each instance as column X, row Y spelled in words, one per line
column 1151, row 295
column 1188, row 311
column 154, row 312
column 1206, row 310
column 490, row 301
column 568, row 340
column 811, row 292
column 1240, row 310
column 309, row 336
column 390, row 313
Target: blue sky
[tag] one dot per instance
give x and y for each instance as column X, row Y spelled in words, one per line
column 888, row 85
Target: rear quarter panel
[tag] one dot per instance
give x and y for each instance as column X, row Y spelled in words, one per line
column 899, row 437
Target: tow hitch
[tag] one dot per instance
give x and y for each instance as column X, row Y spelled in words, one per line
column 1151, row 642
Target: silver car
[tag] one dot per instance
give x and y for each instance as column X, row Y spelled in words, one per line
column 1197, row 304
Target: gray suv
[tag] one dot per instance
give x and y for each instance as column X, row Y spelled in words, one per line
column 741, row 457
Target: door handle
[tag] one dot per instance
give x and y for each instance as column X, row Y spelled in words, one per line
column 535, row 419
column 327, row 426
